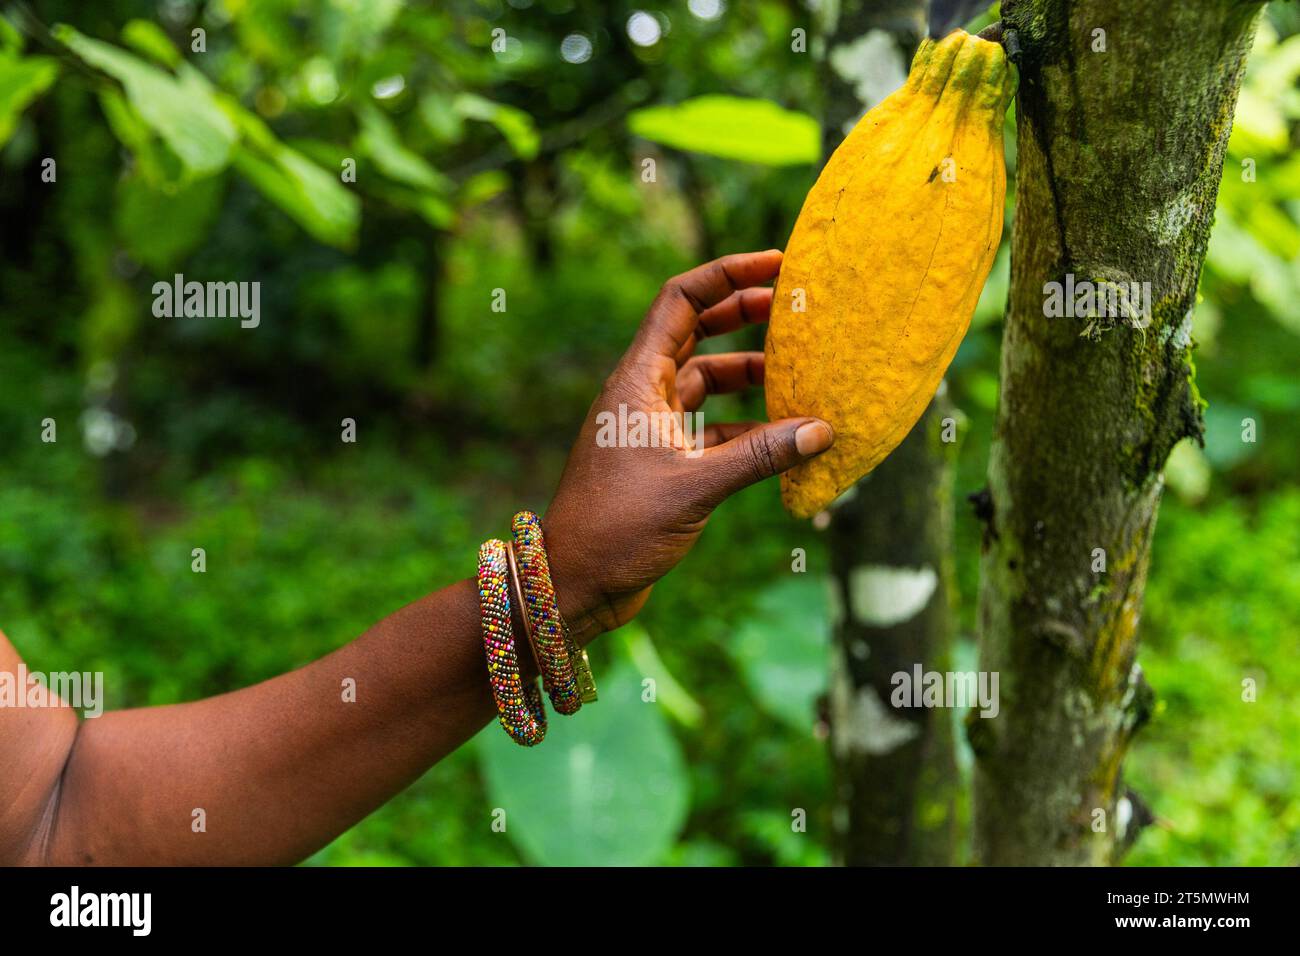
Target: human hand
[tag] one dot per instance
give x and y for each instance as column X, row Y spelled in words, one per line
column 627, row 511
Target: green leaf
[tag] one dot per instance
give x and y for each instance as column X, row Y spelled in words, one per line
column 148, row 38
column 306, row 192
column 782, row 648
column 313, row 197
column 675, row 699
column 380, row 141
column 22, row 79
column 753, row 131
column 153, row 160
column 482, row 187
column 345, row 27
column 11, row 41
column 324, row 153
column 434, row 210
column 184, row 114
column 159, row 226
column 513, row 123
column 607, row 787
column 440, row 118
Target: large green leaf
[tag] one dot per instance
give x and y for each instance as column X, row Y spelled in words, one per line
column 676, row 700
column 754, row 131
column 159, row 225
column 306, row 192
column 317, row 200
column 607, row 787
column 782, row 648
column 513, row 123
column 433, row 209
column 380, row 141
column 11, row 41
column 440, row 118
column 148, row 38
column 22, row 79
column 184, row 114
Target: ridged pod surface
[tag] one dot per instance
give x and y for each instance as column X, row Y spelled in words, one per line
column 887, row 260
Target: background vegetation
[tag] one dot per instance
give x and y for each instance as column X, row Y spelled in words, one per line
column 524, row 170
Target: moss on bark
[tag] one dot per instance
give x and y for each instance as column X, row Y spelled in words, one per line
column 1121, row 143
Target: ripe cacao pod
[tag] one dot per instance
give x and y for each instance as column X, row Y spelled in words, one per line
column 886, row 263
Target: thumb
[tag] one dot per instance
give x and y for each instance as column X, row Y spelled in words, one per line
column 761, row 452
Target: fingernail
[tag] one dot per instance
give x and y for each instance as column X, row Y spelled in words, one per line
column 812, row 437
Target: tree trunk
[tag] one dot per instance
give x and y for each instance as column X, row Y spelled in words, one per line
column 891, row 557
column 891, row 545
column 1124, row 112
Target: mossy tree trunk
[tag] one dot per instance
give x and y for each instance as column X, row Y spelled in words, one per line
column 1123, row 113
column 890, row 544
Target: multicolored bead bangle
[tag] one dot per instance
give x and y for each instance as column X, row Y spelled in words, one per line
column 519, row 617
column 539, row 607
column 519, row 705
column 566, row 672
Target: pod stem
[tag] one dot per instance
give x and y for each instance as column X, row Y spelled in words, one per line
column 998, row 32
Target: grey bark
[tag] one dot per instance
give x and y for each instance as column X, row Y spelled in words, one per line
column 1120, row 157
column 895, row 770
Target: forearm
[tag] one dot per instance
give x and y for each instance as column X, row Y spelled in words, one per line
column 275, row 771
column 281, row 768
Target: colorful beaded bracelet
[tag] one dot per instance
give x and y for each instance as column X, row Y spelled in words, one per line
column 566, row 671
column 519, row 616
column 519, row 705
column 539, row 607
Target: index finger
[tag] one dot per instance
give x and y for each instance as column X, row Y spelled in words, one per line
column 676, row 310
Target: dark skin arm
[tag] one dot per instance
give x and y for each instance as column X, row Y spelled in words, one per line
column 283, row 767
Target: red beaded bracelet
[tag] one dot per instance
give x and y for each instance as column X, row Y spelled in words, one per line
column 519, row 705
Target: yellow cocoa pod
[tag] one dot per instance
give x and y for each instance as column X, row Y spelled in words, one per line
column 887, row 261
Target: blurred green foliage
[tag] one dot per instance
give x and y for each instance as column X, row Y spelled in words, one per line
column 523, row 169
